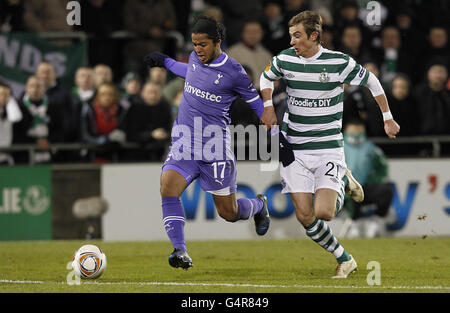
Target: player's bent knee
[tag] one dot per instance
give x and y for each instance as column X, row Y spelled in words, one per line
column 165, row 189
column 326, row 214
column 171, row 185
column 304, row 219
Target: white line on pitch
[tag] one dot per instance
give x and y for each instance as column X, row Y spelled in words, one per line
column 6, row 281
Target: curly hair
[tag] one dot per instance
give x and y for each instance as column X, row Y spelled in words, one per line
column 207, row 25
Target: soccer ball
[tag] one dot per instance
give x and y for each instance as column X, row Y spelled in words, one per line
column 89, row 262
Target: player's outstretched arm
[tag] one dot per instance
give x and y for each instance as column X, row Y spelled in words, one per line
column 286, row 154
column 158, row 59
column 268, row 117
column 155, row 59
column 390, row 125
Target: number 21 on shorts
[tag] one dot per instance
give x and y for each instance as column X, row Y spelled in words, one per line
column 332, row 168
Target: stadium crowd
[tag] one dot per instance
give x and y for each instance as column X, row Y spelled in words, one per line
column 115, row 99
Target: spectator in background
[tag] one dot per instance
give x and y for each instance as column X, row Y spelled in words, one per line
column 437, row 50
column 325, row 14
column 103, row 74
column 250, row 51
column 175, row 104
column 292, row 8
column 216, row 13
column 84, row 89
column 131, row 85
column 327, row 37
column 346, row 13
column 99, row 123
column 275, row 34
column 47, row 16
column 172, row 91
column 235, row 13
column 392, row 58
column 150, row 20
column 412, row 36
column 369, row 166
column 322, row 7
column 438, row 38
column 59, row 97
column 403, row 105
column 158, row 75
column 196, row 8
column 82, row 93
column 434, row 12
column 148, row 122
column 352, row 44
column 9, row 114
column 184, row 11
column 100, row 18
column 434, row 102
column 42, row 122
column 322, row 4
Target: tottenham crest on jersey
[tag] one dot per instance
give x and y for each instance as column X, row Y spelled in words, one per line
column 324, row 76
column 219, row 76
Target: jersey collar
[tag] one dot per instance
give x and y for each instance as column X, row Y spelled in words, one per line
column 315, row 56
column 223, row 57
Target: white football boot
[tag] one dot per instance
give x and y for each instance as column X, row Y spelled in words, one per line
column 345, row 268
column 353, row 188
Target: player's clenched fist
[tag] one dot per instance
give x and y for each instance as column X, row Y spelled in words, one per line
column 268, row 117
column 391, row 128
column 155, row 59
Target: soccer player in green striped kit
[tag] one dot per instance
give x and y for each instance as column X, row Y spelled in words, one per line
column 312, row 124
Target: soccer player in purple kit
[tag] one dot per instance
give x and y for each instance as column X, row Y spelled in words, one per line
column 213, row 80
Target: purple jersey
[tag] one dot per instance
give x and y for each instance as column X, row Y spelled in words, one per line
column 204, row 109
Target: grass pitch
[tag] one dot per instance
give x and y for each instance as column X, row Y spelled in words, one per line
column 275, row 266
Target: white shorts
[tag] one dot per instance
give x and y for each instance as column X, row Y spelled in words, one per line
column 311, row 172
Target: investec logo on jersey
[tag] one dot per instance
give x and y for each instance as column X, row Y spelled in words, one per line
column 201, row 93
column 309, row 103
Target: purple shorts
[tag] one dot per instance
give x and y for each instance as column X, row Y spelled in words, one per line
column 216, row 177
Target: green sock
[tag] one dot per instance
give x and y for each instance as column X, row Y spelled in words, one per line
column 321, row 233
column 345, row 179
column 340, row 198
column 343, row 258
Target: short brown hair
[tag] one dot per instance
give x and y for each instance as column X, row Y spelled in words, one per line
column 312, row 22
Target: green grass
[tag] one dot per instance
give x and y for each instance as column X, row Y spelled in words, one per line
column 407, row 265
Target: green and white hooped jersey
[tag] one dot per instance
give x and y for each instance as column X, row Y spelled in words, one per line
column 315, row 88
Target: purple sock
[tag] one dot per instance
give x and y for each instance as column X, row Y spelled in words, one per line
column 248, row 207
column 173, row 219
